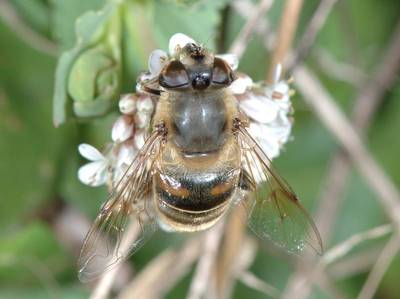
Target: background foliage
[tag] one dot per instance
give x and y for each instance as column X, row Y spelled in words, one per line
column 38, row 162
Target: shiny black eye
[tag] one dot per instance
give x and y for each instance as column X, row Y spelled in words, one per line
column 222, row 73
column 174, row 75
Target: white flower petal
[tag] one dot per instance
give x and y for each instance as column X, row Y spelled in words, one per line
column 231, row 59
column 157, row 60
column 280, row 134
column 259, row 108
column 241, row 84
column 282, row 87
column 142, row 120
column 145, row 104
column 271, row 137
column 118, row 174
column 284, row 104
column 93, row 174
column 177, row 42
column 127, row 104
column 145, row 76
column 280, row 95
column 121, row 130
column 267, row 141
column 90, row 152
column 139, row 139
column 127, row 153
column 281, row 127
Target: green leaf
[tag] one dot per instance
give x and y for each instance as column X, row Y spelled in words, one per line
column 198, row 21
column 64, row 16
column 80, row 71
column 29, row 145
column 29, row 252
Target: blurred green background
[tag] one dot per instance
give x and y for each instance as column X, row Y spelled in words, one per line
column 39, row 162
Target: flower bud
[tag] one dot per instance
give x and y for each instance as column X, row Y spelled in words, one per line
column 93, row 82
column 127, row 104
column 88, row 77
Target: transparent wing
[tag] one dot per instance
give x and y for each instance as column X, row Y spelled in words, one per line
column 125, row 221
column 275, row 212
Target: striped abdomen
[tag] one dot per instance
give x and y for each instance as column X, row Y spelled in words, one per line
column 191, row 201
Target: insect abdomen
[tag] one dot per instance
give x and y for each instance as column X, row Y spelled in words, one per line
column 191, row 201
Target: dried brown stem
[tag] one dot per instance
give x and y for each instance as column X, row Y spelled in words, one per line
column 314, row 27
column 230, row 249
column 384, row 77
column 202, row 277
column 351, row 265
column 382, row 264
column 336, row 122
column 104, row 285
column 326, row 283
column 346, row 246
column 286, row 31
column 26, row 33
column 365, row 106
column 163, row 272
column 341, row 129
column 246, row 9
column 252, row 281
column 244, row 255
column 389, row 196
column 241, row 41
column 341, row 71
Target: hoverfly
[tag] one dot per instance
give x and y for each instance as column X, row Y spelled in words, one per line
column 198, row 161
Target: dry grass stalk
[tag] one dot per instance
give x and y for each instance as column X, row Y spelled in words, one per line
column 346, row 246
column 286, row 32
column 229, row 251
column 351, row 265
column 378, row 270
column 379, row 91
column 239, row 45
column 253, row 282
column 37, row 41
column 338, row 70
column 366, row 103
column 313, row 28
column 202, row 278
column 335, row 121
column 163, row 272
column 105, row 283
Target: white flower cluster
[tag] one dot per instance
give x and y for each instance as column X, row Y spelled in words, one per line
column 268, row 108
column 128, row 135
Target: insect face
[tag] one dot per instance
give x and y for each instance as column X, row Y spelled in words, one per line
column 196, row 69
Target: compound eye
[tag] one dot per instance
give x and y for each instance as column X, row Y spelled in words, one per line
column 174, row 75
column 222, row 73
